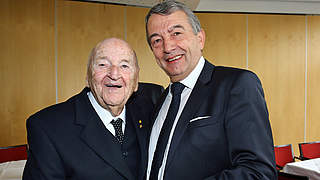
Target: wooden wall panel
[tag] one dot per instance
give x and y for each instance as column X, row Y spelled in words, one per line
column 30, row 44
column 26, row 66
column 276, row 49
column 313, row 101
column 80, row 26
column 136, row 36
column 225, row 38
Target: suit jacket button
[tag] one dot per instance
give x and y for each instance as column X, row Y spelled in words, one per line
column 125, row 154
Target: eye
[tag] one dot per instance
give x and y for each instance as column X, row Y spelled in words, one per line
column 124, row 66
column 177, row 33
column 102, row 63
column 156, row 42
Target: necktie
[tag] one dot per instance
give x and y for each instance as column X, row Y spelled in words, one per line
column 117, row 124
column 176, row 90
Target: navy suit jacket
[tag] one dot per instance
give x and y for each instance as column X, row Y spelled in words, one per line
column 223, row 131
column 69, row 141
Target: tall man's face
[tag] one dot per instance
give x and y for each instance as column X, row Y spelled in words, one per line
column 113, row 75
column 175, row 46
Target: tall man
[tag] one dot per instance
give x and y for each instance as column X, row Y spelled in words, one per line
column 100, row 133
column 212, row 122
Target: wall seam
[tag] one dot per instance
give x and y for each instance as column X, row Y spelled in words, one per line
column 247, row 43
column 306, row 80
column 56, row 47
column 125, row 23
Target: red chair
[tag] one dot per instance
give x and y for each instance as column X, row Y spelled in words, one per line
column 13, row 153
column 283, row 155
column 309, row 150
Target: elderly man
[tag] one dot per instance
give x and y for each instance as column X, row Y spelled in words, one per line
column 100, row 133
column 212, row 122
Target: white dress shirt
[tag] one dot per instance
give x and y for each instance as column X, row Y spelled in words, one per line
column 189, row 83
column 105, row 116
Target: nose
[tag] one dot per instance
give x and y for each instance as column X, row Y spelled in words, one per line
column 168, row 45
column 114, row 72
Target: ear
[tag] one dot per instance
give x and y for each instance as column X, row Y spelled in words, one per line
column 137, row 83
column 202, row 37
column 136, row 89
column 87, row 81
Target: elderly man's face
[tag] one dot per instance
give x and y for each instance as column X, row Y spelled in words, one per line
column 114, row 74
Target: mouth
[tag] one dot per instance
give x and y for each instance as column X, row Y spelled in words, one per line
column 113, row 86
column 172, row 59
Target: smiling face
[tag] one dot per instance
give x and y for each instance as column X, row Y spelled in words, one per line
column 175, row 46
column 113, row 74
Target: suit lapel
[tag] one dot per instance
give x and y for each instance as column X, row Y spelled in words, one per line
column 194, row 102
column 138, row 118
column 98, row 138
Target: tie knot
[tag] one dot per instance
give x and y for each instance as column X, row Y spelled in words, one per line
column 117, row 122
column 177, row 88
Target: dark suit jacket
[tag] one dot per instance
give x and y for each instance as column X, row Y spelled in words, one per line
column 223, row 131
column 69, row 141
column 150, row 90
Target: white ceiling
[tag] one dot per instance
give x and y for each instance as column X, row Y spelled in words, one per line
column 149, row 3
column 242, row 6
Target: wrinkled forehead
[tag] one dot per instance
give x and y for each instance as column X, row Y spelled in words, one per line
column 114, row 51
column 159, row 22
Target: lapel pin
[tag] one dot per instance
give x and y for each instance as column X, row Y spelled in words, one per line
column 140, row 124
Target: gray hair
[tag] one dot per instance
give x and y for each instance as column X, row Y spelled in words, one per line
column 168, row 7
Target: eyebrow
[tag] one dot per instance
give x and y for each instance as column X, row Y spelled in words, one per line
column 105, row 58
column 100, row 57
column 175, row 27
column 125, row 60
column 153, row 35
column 170, row 30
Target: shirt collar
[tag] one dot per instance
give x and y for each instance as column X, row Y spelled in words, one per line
column 191, row 79
column 104, row 114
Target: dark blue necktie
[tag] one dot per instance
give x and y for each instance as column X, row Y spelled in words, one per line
column 176, row 90
column 117, row 124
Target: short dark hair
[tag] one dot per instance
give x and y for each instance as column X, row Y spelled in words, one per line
column 168, row 7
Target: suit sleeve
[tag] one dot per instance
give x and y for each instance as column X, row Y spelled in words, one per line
column 43, row 161
column 248, row 132
column 150, row 90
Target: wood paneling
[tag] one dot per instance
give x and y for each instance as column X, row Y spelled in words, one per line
column 136, row 36
column 27, row 64
column 225, row 38
column 80, row 26
column 313, row 101
column 276, row 49
column 30, row 45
